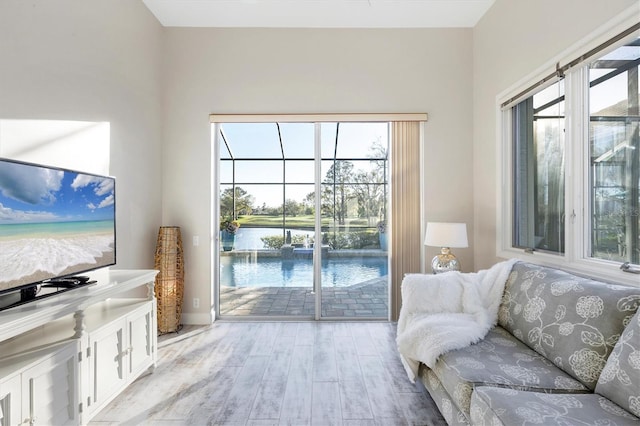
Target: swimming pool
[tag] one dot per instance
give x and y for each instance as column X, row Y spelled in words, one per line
column 275, row 272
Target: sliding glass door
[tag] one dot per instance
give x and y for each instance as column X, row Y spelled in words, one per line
column 302, row 215
column 353, row 190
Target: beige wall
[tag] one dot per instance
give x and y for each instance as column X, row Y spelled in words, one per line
column 110, row 61
column 514, row 39
column 310, row 71
column 96, row 61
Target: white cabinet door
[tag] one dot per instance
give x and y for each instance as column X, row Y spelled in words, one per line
column 140, row 328
column 107, row 362
column 10, row 406
column 49, row 389
column 119, row 351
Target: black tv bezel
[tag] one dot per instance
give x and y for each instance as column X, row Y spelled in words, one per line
column 21, row 288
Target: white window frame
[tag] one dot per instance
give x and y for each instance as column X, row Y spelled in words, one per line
column 577, row 235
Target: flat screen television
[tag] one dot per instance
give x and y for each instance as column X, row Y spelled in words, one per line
column 54, row 224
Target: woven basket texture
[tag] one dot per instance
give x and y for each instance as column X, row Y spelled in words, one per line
column 169, row 285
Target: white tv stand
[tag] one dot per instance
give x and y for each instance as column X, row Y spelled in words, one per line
column 63, row 358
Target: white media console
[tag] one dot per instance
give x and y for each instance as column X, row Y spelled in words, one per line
column 63, row 358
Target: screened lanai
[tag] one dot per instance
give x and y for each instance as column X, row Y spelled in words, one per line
column 303, row 226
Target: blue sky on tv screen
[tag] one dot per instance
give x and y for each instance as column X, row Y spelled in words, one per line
column 33, row 194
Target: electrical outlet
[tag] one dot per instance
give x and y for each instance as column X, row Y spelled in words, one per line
column 196, row 302
column 196, row 241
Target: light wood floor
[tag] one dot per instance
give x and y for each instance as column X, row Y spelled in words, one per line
column 275, row 373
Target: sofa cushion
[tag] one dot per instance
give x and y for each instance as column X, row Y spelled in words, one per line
column 620, row 379
column 575, row 322
column 499, row 360
column 448, row 409
column 491, row 406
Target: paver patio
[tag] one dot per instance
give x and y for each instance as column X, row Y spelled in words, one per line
column 368, row 299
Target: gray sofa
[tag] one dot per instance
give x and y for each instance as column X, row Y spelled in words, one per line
column 566, row 350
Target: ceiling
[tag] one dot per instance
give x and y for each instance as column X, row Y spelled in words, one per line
column 319, row 13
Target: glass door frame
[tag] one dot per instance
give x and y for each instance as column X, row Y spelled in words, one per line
column 316, row 119
column 215, row 235
column 317, row 248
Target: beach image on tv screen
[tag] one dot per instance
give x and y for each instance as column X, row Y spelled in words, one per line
column 53, row 223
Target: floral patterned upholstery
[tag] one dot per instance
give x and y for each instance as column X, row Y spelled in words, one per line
column 620, row 379
column 492, row 406
column 447, row 407
column 499, row 360
column 572, row 321
column 559, row 338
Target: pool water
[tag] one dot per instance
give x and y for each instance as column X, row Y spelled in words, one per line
column 275, row 272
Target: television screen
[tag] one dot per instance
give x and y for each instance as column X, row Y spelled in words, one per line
column 53, row 223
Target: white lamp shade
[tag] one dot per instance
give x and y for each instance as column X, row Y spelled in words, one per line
column 442, row 234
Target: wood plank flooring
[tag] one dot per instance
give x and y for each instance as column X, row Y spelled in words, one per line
column 276, row 373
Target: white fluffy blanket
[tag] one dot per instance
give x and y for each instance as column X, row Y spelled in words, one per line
column 447, row 311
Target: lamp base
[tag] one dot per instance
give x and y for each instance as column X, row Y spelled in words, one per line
column 444, row 262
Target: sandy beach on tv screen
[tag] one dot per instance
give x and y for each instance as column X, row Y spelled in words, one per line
column 27, row 260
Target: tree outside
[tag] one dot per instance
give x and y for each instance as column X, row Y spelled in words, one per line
column 347, row 193
column 232, row 206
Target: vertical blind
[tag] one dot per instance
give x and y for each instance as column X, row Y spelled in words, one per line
column 405, row 206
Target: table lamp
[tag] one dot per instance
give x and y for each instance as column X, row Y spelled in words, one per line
column 446, row 235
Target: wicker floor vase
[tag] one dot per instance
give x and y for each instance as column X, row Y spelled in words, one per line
column 169, row 286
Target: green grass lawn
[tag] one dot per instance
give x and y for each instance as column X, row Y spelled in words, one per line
column 298, row 222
